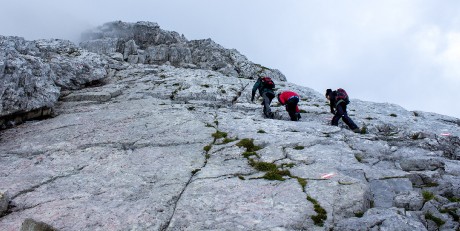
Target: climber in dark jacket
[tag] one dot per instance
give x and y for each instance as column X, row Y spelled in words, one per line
column 290, row 99
column 267, row 94
column 339, row 109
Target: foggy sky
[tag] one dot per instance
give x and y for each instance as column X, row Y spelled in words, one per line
column 405, row 52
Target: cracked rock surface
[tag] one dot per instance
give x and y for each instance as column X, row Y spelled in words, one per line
column 162, row 147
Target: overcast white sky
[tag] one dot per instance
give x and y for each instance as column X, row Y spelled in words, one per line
column 399, row 51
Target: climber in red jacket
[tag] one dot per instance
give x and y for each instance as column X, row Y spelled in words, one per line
column 290, row 99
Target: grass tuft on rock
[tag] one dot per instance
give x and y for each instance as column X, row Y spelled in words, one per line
column 248, row 144
column 249, row 154
column 276, row 175
column 321, row 214
column 427, row 196
column 207, row 148
column 439, row 222
column 218, row 135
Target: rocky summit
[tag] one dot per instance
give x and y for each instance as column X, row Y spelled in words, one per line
column 138, row 128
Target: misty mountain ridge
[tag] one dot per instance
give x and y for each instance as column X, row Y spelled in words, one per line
column 138, row 128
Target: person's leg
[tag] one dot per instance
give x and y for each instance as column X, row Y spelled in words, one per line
column 338, row 114
column 344, row 115
column 291, row 108
column 267, row 100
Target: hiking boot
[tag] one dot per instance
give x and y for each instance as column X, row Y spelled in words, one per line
column 270, row 115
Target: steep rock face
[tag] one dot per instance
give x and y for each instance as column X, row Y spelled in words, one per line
column 146, row 43
column 160, row 147
column 170, row 148
column 32, row 73
column 26, row 81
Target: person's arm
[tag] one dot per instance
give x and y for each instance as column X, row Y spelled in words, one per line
column 254, row 89
column 332, row 102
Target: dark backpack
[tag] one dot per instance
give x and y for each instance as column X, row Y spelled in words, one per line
column 267, row 82
column 342, row 96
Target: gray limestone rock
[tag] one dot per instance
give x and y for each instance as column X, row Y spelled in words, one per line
column 163, row 46
column 4, row 201
column 33, row 72
column 381, row 219
column 420, row 164
column 384, row 191
column 410, row 200
column 32, row 225
column 27, row 81
column 172, row 141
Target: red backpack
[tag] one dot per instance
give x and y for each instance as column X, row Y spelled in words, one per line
column 267, row 82
column 342, row 95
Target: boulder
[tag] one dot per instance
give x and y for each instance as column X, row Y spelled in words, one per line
column 4, row 201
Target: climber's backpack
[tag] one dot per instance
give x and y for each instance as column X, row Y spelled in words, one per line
column 342, row 96
column 267, row 82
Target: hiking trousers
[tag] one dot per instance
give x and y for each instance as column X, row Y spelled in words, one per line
column 291, row 107
column 341, row 112
column 268, row 97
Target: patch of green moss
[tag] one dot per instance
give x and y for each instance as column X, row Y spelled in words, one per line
column 359, row 214
column 191, row 108
column 358, row 158
column 452, row 212
column 299, row 147
column 218, row 134
column 287, row 165
column 454, row 199
column 248, row 144
column 249, row 154
column 209, row 125
column 223, row 91
column 316, row 105
column 261, row 131
column 437, row 220
column 303, row 111
column 228, row 140
column 393, row 115
column 205, row 85
column 264, row 166
column 276, row 175
column 363, row 129
column 302, row 182
column 321, row 214
column 427, row 196
column 195, row 171
column 207, row 148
